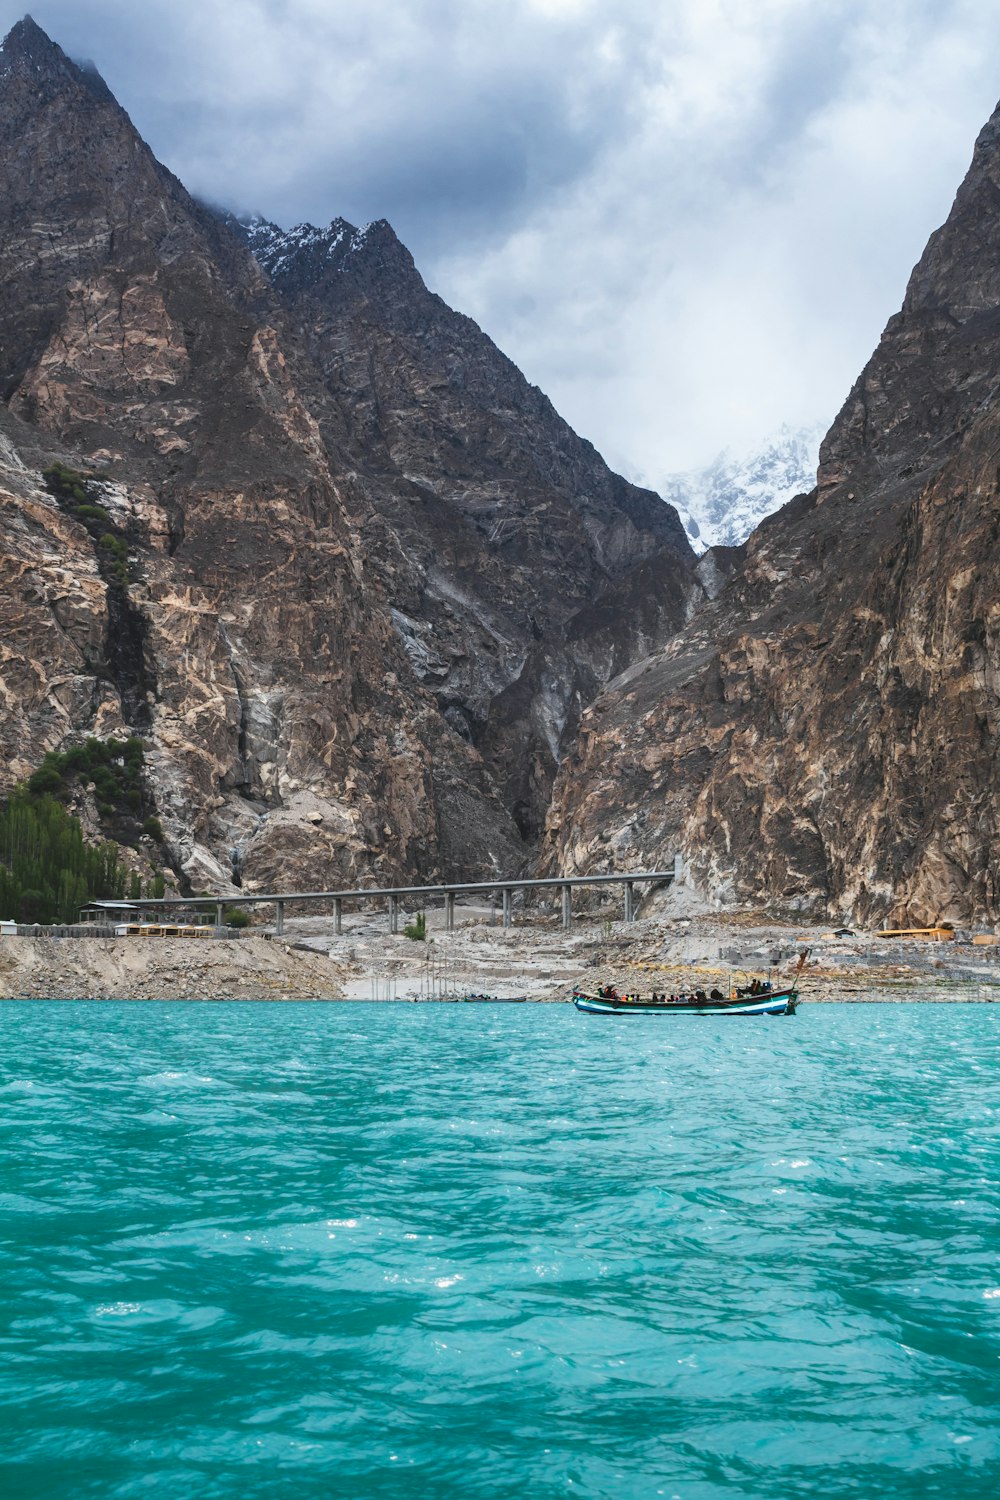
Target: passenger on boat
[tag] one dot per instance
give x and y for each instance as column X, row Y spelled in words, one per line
column 716, row 994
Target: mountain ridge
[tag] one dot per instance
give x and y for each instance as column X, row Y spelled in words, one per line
column 339, row 510
column 379, row 612
column 148, row 350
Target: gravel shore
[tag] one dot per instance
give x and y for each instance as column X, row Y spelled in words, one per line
column 252, row 968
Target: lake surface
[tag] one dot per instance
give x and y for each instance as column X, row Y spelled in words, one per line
column 262, row 1250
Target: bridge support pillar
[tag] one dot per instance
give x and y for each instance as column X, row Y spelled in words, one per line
column 393, row 914
column 506, row 906
column 678, row 868
column 629, row 902
column 279, row 918
column 218, row 913
column 567, row 905
column 449, row 911
column 338, row 915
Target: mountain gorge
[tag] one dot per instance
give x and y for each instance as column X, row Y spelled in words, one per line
column 378, row 613
column 366, row 580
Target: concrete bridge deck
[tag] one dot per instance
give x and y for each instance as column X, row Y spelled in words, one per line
column 122, row 911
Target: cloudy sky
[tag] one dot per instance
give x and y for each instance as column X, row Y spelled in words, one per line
column 686, row 220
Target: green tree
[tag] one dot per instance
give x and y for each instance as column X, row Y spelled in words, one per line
column 417, row 929
column 47, row 870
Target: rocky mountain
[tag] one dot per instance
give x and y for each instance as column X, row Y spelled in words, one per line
column 271, row 504
column 141, row 346
column 723, row 503
column 825, row 733
column 521, row 572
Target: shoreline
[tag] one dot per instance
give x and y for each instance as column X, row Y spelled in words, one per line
column 42, row 999
column 536, row 957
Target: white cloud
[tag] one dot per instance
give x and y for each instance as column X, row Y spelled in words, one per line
column 730, row 265
column 688, row 222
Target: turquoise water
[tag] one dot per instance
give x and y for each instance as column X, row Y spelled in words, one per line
column 429, row 1251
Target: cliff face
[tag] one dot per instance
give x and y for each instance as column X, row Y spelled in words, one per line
column 522, row 573
column 140, row 343
column 344, row 570
column 825, row 733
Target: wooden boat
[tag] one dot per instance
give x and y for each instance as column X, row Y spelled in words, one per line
column 494, row 999
column 770, row 1003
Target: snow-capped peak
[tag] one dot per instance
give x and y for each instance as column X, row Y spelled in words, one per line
column 277, row 249
column 721, row 504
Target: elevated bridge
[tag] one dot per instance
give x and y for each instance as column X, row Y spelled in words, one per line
column 395, row 896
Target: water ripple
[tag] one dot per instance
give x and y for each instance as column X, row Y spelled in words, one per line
column 412, row 1251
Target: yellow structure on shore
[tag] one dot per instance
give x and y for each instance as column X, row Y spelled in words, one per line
column 158, row 929
column 927, row 934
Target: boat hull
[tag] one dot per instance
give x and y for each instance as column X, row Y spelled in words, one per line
column 780, row 1003
column 494, row 999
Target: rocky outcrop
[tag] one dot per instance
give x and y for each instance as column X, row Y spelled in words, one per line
column 825, row 733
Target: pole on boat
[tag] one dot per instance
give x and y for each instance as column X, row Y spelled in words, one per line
column 449, row 911
column 506, row 906
column 338, row 915
column 567, row 905
column 393, row 914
